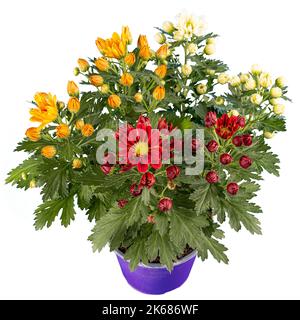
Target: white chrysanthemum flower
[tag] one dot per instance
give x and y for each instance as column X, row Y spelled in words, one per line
column 190, row 25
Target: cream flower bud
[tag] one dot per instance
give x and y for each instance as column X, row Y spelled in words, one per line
column 223, row 78
column 201, row 88
column 274, row 102
column 235, row 81
column 160, row 38
column 186, row 69
column 178, row 35
column 256, row 69
column 210, row 72
column 219, row 101
column 233, row 113
column 244, row 77
column 211, row 41
column 280, row 82
column 269, row 135
column 168, row 26
column 209, row 49
column 276, row 92
column 250, row 84
column 256, row 98
column 265, row 80
column 279, row 109
column 192, row 48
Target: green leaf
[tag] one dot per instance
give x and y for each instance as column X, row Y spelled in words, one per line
column 158, row 245
column 103, row 182
column 85, row 195
column 135, row 211
column 105, row 228
column 186, row 228
column 202, row 197
column 54, row 179
column 68, row 212
column 240, row 213
column 146, row 196
column 27, row 167
column 136, row 253
column 46, row 213
column 272, row 123
column 96, row 210
column 161, row 223
column 31, row 146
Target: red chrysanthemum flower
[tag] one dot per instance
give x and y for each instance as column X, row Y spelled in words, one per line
column 141, row 146
column 227, row 126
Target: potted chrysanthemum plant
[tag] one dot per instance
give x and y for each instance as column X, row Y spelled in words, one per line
column 159, row 151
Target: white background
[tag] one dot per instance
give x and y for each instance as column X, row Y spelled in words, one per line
column 40, row 44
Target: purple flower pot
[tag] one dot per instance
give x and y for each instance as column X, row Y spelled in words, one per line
column 155, row 278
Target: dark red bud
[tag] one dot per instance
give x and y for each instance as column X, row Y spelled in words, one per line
column 122, row 203
column 212, row 146
column 241, row 121
column 150, row 218
column 212, row 177
column 165, row 204
column 135, row 190
column 232, row 188
column 226, row 158
column 247, row 140
column 237, row 141
column 172, row 172
column 210, row 119
column 147, row 180
column 106, row 168
column 162, row 124
column 245, row 162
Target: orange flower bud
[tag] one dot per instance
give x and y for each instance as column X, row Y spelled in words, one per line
column 76, row 163
column 48, row 152
column 33, row 134
column 79, row 124
column 159, row 93
column 145, row 53
column 130, row 59
column 83, row 65
column 73, row 104
column 138, row 97
column 96, row 80
column 162, row 52
column 126, row 79
column 126, row 35
column 142, row 41
column 102, row 64
column 114, row 101
column 161, row 71
column 87, row 130
column 72, row 88
column 62, row 131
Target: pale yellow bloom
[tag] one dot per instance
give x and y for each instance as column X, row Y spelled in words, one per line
column 250, row 84
column 276, row 92
column 256, row 98
column 279, row 109
column 186, row 69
